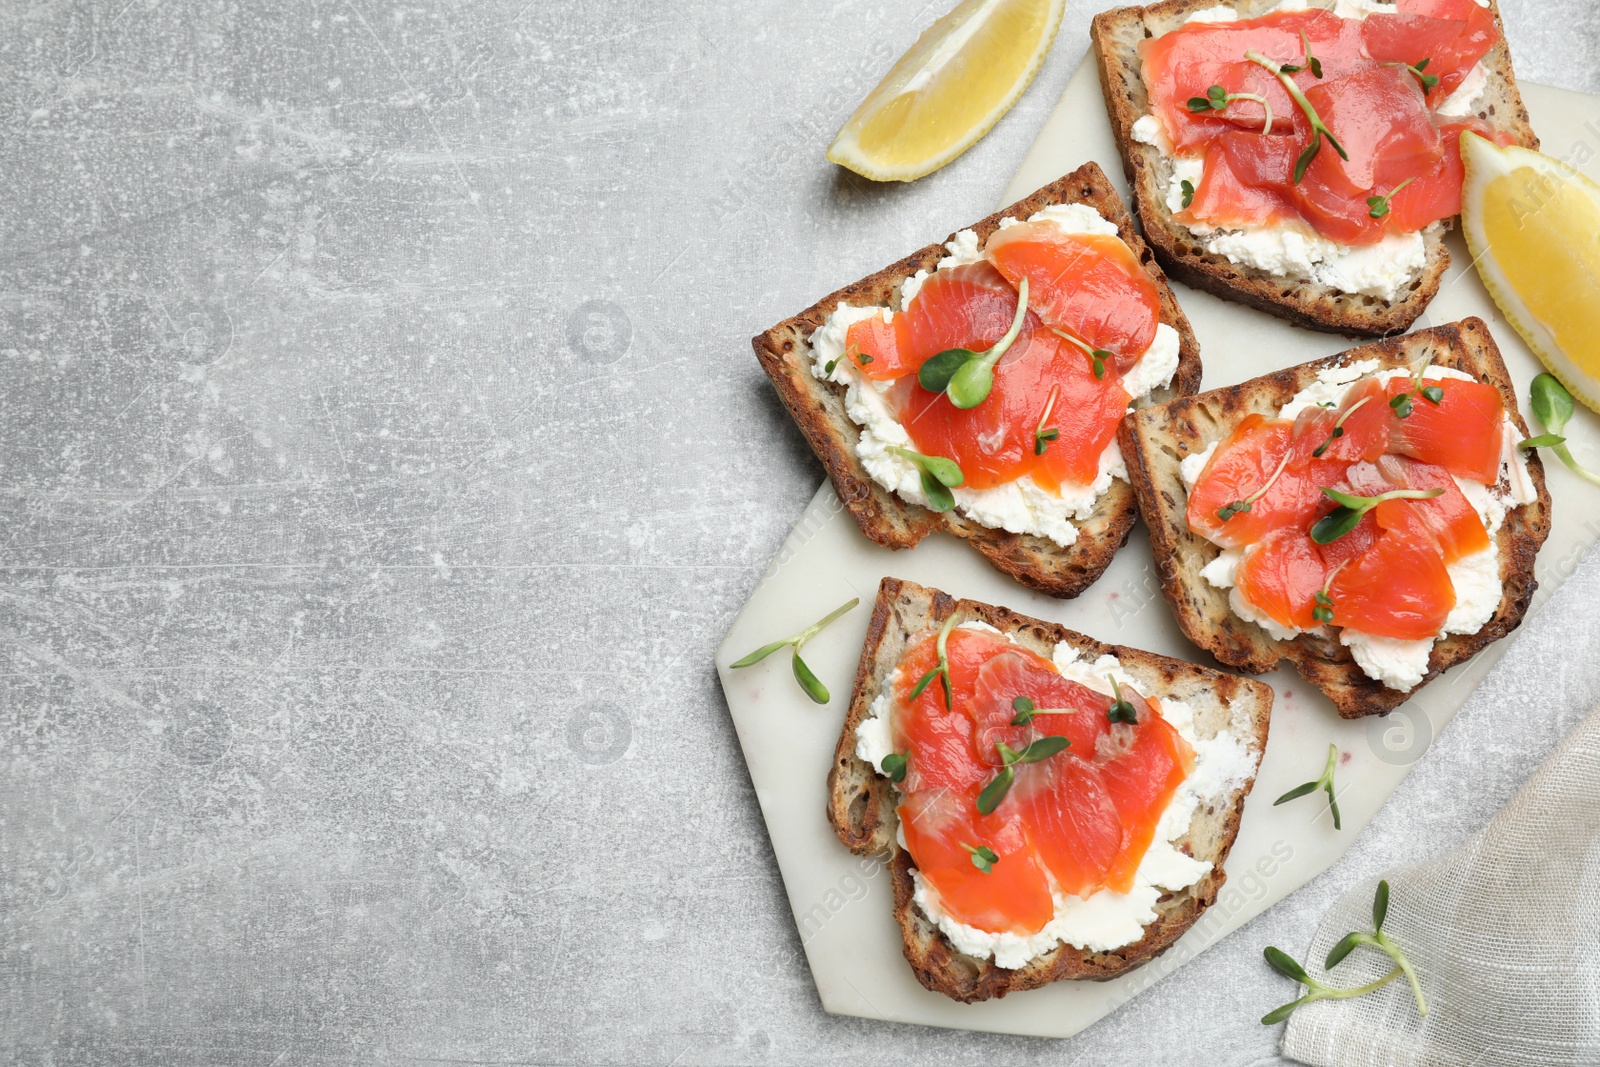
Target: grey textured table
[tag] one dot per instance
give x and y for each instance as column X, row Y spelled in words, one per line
column 382, row 458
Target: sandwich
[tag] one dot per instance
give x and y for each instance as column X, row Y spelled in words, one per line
column 1052, row 807
column 975, row 386
column 1303, row 157
column 1369, row 517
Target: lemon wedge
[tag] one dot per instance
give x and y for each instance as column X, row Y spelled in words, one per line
column 1533, row 226
column 964, row 72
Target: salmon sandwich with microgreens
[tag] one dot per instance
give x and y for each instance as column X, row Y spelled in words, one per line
column 1371, row 517
column 975, row 386
column 1054, row 808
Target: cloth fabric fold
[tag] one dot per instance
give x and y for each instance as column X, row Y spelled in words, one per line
column 1504, row 932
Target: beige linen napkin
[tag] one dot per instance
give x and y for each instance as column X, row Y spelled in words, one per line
column 1504, row 931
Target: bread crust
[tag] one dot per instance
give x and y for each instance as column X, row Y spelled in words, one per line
column 818, row 409
column 1116, row 35
column 1156, row 440
column 861, row 802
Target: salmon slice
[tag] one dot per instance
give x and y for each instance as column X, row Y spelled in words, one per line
column 1362, row 417
column 1243, row 181
column 1452, row 35
column 877, row 350
column 1188, row 61
column 1090, row 285
column 1397, row 588
column 1280, row 576
column 943, row 751
column 1012, row 897
column 1383, row 123
column 1436, row 195
column 1017, row 672
column 1461, row 433
column 994, row 442
column 1243, row 463
column 1450, row 517
column 1142, row 766
column 1071, row 820
column 971, row 306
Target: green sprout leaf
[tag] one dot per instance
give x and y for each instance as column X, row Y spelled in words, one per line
column 1218, row 98
column 935, row 374
column 809, row 682
column 1286, row 965
column 1042, row 434
column 1120, row 710
column 1025, row 709
column 1378, row 206
column 1344, row 518
column 922, row 683
column 1097, row 356
column 972, row 382
column 1188, row 191
column 1042, row 749
column 894, row 765
column 1324, row 783
column 996, row 791
column 983, row 857
column 1345, row 946
column 1379, row 940
column 760, row 654
column 1433, row 394
column 941, row 670
column 1552, row 405
column 937, row 474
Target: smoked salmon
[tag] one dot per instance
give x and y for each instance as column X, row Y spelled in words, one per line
column 1092, row 313
column 1081, row 819
column 1377, row 86
column 1388, row 575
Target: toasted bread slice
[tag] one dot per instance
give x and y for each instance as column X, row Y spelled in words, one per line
column 819, row 409
column 1156, row 440
column 861, row 803
column 1116, row 35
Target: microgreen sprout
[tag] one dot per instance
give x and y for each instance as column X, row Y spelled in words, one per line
column 1120, row 710
column 1311, row 61
column 894, row 765
column 808, row 681
column 1025, row 711
column 1428, row 80
column 965, row 376
column 983, row 857
column 1217, row 99
column 1323, row 598
column 1378, row 206
column 1318, row 129
column 1552, row 406
column 1042, row 434
column 1338, row 427
column 1325, row 783
column 1188, row 191
column 1433, row 394
column 1344, row 518
column 1287, row 966
column 1240, row 507
column 1097, row 356
column 939, row 475
column 1000, row 784
column 941, row 670
column 828, row 367
column 1380, row 941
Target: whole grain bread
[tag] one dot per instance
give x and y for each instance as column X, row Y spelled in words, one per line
column 861, row 803
column 1156, row 440
column 818, row 407
column 1116, row 35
